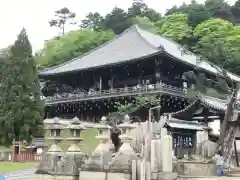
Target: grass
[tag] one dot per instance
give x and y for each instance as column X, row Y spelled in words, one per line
column 7, row 167
column 88, row 144
column 5, row 149
column 89, row 141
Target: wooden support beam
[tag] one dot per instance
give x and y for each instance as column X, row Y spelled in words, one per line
column 236, row 154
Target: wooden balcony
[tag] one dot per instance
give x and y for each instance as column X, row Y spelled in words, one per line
column 119, row 92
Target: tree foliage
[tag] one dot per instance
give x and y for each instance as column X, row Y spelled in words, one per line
column 63, row 16
column 199, row 12
column 139, row 102
column 73, row 44
column 175, row 26
column 93, row 21
column 192, row 25
column 21, row 109
column 217, row 41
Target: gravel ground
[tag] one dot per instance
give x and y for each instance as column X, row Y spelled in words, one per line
column 27, row 174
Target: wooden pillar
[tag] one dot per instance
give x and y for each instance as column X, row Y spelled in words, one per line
column 236, row 154
column 112, row 82
column 100, row 83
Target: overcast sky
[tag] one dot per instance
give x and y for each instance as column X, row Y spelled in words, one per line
column 35, row 14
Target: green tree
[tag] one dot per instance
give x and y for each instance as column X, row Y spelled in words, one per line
column 139, row 102
column 21, row 109
column 219, row 33
column 199, row 12
column 218, row 42
column 73, row 44
column 144, row 22
column 175, row 26
column 219, row 9
column 236, row 11
column 117, row 20
column 93, row 21
column 138, row 8
column 63, row 16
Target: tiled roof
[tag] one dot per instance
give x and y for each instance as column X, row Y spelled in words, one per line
column 181, row 124
column 134, row 43
column 207, row 101
column 127, row 46
column 214, row 103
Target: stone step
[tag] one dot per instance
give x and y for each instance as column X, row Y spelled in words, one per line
column 207, row 178
column 234, row 172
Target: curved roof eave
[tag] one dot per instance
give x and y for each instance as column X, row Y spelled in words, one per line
column 128, row 46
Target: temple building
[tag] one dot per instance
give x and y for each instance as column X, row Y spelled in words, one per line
column 136, row 62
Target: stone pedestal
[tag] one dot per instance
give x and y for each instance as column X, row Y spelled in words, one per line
column 167, row 176
column 122, row 161
column 166, row 150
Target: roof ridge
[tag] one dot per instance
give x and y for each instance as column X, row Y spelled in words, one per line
column 137, row 28
column 89, row 52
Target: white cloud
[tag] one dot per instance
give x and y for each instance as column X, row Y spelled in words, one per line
column 34, row 15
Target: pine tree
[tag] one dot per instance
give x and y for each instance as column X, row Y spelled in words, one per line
column 21, row 108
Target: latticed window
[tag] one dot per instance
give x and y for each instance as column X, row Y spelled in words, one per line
column 182, row 141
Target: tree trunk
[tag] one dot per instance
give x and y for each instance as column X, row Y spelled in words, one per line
column 228, row 115
column 228, row 143
column 229, row 128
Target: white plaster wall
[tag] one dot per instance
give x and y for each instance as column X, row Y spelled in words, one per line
column 215, row 126
column 238, row 146
column 39, row 150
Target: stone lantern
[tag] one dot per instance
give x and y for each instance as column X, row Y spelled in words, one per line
column 126, row 154
column 75, row 129
column 102, row 154
column 55, row 136
column 103, row 136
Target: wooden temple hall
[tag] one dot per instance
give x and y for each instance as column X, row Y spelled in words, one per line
column 137, row 62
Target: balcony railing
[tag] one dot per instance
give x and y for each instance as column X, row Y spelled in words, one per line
column 149, row 89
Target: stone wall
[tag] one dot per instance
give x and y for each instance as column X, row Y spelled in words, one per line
column 55, row 177
column 195, row 168
column 87, row 175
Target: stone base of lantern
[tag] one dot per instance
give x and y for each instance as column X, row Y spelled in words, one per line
column 74, row 149
column 101, row 156
column 48, row 163
column 68, row 164
column 167, row 176
column 54, row 149
column 122, row 161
